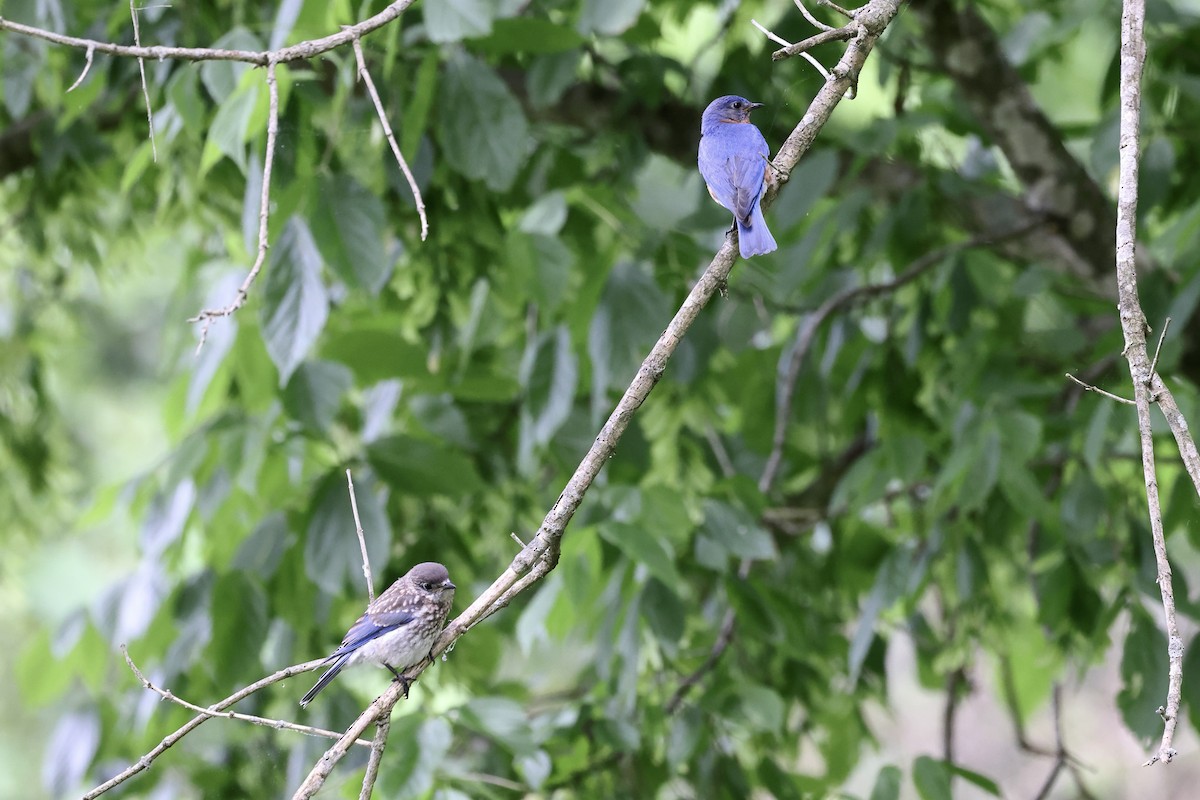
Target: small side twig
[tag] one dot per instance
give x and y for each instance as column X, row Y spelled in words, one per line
column 266, row 722
column 816, row 23
column 387, row 131
column 1089, row 387
column 172, row 739
column 137, row 42
column 1158, row 348
column 87, row 65
column 207, row 316
column 786, row 44
column 362, row 540
column 830, row 4
column 724, row 638
column 804, row 45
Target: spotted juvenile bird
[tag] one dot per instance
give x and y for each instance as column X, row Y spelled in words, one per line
column 398, row 629
column 733, row 161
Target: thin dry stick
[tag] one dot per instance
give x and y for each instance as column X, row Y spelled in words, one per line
column 383, row 726
column 296, row 52
column 540, row 556
column 1099, row 391
column 1158, row 349
column 264, row 212
column 171, row 739
column 137, row 40
column 278, row 724
column 804, row 45
column 362, row 541
column 779, row 40
column 1133, row 326
column 816, row 23
column 387, row 130
column 91, row 51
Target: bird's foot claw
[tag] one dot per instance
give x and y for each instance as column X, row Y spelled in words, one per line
column 405, row 683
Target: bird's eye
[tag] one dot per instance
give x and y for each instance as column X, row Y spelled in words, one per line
column 737, row 104
column 427, row 586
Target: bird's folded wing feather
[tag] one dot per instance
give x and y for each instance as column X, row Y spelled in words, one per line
column 746, row 174
column 371, row 627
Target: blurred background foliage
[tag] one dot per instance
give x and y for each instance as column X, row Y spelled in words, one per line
column 953, row 519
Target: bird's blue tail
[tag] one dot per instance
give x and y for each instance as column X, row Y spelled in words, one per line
column 324, row 680
column 754, row 239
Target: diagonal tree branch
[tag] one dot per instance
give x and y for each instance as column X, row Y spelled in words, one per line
column 540, row 555
column 1133, row 326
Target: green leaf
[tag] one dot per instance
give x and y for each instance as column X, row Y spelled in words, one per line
column 332, row 554
column 421, row 468
column 239, row 620
column 453, row 20
column 932, row 779
column 483, row 130
column 315, row 390
column 230, row 128
column 295, row 303
column 983, row 782
column 1144, row 667
column 528, row 36
column 624, row 327
column 887, row 784
column 762, row 708
column 609, row 17
column 730, row 532
column 667, row 193
column 348, row 224
column 501, row 719
column 221, row 78
column 549, row 375
column 643, row 547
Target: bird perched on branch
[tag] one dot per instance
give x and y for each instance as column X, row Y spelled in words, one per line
column 733, row 161
column 398, row 629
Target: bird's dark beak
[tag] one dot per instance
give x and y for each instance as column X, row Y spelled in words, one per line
column 448, row 585
column 756, row 105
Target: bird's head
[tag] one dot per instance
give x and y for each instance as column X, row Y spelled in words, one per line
column 431, row 579
column 729, row 108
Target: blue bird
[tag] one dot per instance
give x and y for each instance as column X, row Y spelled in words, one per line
column 733, row 162
column 398, row 629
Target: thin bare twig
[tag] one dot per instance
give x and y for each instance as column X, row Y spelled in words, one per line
column 844, row 12
column 207, row 316
column 296, row 52
column 1134, row 328
column 724, row 638
column 387, row 131
column 137, row 40
column 816, row 23
column 804, row 45
column 1158, row 349
column 173, row 738
column 91, row 51
column 362, row 541
column 383, row 726
column 1098, row 390
column 786, row 44
column 278, row 724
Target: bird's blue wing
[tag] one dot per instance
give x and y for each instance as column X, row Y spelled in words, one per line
column 371, row 626
column 732, row 160
column 747, row 174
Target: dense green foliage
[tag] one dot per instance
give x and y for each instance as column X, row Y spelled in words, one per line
column 941, row 480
